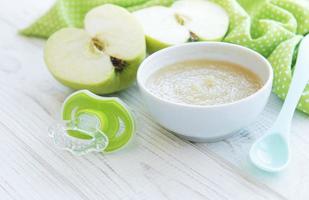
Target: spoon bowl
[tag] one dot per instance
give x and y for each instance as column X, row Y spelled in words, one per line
column 271, row 152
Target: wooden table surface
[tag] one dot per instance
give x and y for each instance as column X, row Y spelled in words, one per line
column 156, row 165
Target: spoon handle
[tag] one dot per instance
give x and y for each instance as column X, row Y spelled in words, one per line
column 298, row 84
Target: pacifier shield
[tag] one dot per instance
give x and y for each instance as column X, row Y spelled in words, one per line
column 109, row 115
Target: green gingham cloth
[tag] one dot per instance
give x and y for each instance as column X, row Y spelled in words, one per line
column 274, row 28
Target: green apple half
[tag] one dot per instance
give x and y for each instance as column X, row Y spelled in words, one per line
column 104, row 57
column 184, row 21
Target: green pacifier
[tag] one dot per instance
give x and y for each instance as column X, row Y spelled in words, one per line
column 92, row 123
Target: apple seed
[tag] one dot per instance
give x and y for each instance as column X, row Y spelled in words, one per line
column 118, row 64
column 193, row 37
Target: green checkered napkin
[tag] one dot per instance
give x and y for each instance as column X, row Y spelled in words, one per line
column 273, row 28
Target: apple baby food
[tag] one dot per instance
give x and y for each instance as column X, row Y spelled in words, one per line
column 103, row 57
column 184, row 21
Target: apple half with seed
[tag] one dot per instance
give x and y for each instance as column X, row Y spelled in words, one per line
column 103, row 57
column 184, row 21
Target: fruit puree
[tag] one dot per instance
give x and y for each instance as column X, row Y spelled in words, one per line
column 203, row 82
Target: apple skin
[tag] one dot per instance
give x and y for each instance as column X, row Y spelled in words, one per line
column 154, row 45
column 116, row 82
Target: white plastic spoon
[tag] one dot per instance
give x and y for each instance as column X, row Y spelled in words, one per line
column 272, row 152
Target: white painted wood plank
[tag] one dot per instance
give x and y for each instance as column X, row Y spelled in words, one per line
column 293, row 182
column 156, row 165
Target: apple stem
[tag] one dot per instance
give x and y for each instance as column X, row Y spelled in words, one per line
column 98, row 44
column 180, row 20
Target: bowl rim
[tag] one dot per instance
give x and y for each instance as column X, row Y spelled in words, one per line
column 266, row 85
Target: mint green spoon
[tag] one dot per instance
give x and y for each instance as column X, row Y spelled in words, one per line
column 272, row 151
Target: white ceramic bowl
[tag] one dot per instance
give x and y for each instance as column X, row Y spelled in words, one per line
column 206, row 123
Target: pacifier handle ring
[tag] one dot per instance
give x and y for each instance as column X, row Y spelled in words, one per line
column 77, row 146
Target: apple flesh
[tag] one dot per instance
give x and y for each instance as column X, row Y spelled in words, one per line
column 103, row 57
column 184, row 21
